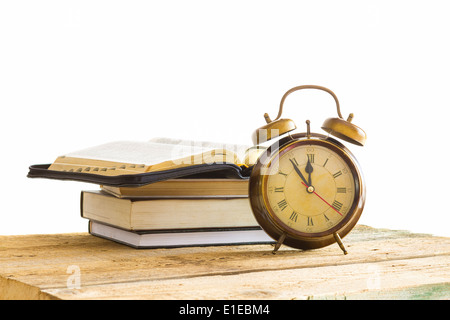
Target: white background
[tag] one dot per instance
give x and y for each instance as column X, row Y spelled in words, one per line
column 75, row 74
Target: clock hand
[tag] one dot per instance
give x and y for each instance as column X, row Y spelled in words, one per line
column 299, row 173
column 324, row 200
column 309, row 169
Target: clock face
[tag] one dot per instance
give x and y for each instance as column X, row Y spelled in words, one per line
column 309, row 188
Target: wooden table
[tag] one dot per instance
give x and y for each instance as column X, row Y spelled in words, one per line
column 381, row 264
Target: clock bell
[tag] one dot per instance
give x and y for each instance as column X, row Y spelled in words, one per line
column 338, row 127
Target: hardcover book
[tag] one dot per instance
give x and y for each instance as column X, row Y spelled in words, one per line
column 183, row 188
column 180, row 238
column 169, row 213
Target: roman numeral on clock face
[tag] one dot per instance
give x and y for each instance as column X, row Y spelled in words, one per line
column 341, row 190
column 282, row 173
column 337, row 205
column 282, row 204
column 311, row 157
column 337, row 174
column 294, row 216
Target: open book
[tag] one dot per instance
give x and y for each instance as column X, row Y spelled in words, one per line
column 131, row 163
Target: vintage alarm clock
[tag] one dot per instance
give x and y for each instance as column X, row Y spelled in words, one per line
column 307, row 190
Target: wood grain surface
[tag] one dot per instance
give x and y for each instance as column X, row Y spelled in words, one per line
column 381, row 264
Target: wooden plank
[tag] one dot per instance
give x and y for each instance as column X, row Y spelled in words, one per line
column 301, row 283
column 379, row 261
column 422, row 292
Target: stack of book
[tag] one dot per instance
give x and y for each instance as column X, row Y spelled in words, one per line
column 174, row 213
column 163, row 192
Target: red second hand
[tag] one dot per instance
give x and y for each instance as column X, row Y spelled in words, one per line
column 323, row 200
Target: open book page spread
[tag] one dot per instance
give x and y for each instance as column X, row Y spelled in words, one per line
column 132, row 157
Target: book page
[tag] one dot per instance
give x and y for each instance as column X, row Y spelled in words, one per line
column 246, row 155
column 158, row 154
column 146, row 153
column 239, row 149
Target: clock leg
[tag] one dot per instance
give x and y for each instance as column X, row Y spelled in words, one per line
column 279, row 243
column 339, row 242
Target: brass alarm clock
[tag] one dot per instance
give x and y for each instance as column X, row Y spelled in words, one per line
column 307, row 190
